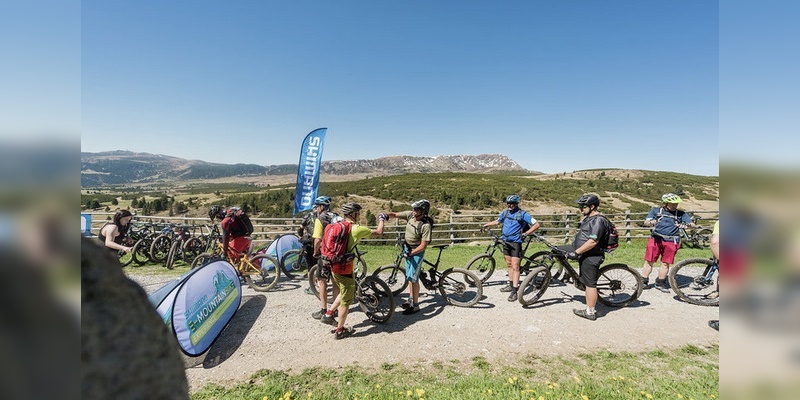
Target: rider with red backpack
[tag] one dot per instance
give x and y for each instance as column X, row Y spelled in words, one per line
column 236, row 230
column 336, row 250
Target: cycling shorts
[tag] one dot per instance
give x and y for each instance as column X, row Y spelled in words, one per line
column 512, row 249
column 414, row 267
column 590, row 269
column 347, row 288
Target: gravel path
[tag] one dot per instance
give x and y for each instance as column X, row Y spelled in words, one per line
column 274, row 330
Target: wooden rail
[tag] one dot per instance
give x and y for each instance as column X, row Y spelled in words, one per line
column 461, row 228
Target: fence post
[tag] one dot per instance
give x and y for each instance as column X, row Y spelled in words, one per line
column 627, row 226
column 566, row 226
column 452, row 233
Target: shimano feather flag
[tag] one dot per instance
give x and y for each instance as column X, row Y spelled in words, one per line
column 308, row 170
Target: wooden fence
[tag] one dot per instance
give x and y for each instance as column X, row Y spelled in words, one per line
column 461, row 228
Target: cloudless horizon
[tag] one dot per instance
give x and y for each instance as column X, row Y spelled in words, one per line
column 556, row 86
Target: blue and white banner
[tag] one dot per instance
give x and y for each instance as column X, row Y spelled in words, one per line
column 198, row 305
column 308, row 170
column 86, row 224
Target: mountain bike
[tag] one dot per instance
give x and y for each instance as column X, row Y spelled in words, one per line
column 698, row 238
column 254, row 270
column 617, row 285
column 483, row 265
column 696, row 281
column 372, row 295
column 458, row 286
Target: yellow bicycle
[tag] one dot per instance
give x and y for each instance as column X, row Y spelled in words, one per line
column 260, row 271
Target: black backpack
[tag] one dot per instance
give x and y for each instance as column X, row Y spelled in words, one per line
column 306, row 229
column 242, row 226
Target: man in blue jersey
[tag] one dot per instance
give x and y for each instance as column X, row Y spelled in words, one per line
column 517, row 224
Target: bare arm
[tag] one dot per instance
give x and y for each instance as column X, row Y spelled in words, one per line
column 419, row 249
column 715, row 246
column 533, row 228
column 111, row 233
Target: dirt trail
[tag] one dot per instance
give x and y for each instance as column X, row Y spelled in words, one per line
column 274, row 330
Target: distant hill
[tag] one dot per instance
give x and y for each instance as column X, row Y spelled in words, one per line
column 129, row 168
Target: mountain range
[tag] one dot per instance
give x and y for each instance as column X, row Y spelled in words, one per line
column 130, row 168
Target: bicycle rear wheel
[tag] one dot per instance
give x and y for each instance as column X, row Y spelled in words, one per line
column 460, row 287
column 313, row 284
column 192, row 248
column 375, row 299
column 263, row 272
column 618, row 285
column 535, row 284
column 482, row 266
column 394, row 276
column 694, row 281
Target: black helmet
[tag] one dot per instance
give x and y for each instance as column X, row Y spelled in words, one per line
column 350, row 208
column 589, row 200
column 216, row 211
column 423, row 205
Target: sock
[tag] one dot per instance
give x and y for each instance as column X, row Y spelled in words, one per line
column 339, row 330
column 590, row 310
column 329, row 313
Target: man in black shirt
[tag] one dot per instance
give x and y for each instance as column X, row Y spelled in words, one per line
column 588, row 252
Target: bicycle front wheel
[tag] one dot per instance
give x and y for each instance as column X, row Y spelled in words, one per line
column 375, row 299
column 204, row 259
column 141, row 252
column 482, row 266
column 535, row 284
column 125, row 257
column 618, row 285
column 192, row 248
column 460, row 287
column 695, row 281
column 262, row 272
column 394, row 276
column 545, row 259
column 173, row 255
column 160, row 248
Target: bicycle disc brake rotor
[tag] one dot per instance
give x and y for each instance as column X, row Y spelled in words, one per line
column 699, row 282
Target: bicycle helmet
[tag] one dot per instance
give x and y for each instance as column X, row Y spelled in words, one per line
column 216, row 212
column 589, row 200
column 351, row 208
column 423, row 205
column 512, row 199
column 671, row 198
column 323, row 201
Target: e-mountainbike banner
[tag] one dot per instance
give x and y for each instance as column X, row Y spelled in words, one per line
column 203, row 305
column 278, row 249
column 308, row 170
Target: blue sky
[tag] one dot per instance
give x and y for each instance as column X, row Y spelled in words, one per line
column 555, row 85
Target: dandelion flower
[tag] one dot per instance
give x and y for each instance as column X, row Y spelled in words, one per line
column 420, row 392
column 584, row 397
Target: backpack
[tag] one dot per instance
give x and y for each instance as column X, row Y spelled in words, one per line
column 519, row 217
column 242, row 226
column 333, row 248
column 306, row 230
column 611, row 238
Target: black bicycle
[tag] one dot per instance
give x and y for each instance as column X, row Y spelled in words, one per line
column 373, row 295
column 483, row 264
column 458, row 286
column 618, row 285
column 696, row 281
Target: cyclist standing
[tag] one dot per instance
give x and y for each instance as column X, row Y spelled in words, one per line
column 343, row 272
column 318, row 219
column 517, row 224
column 417, row 238
column 588, row 251
column 665, row 238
